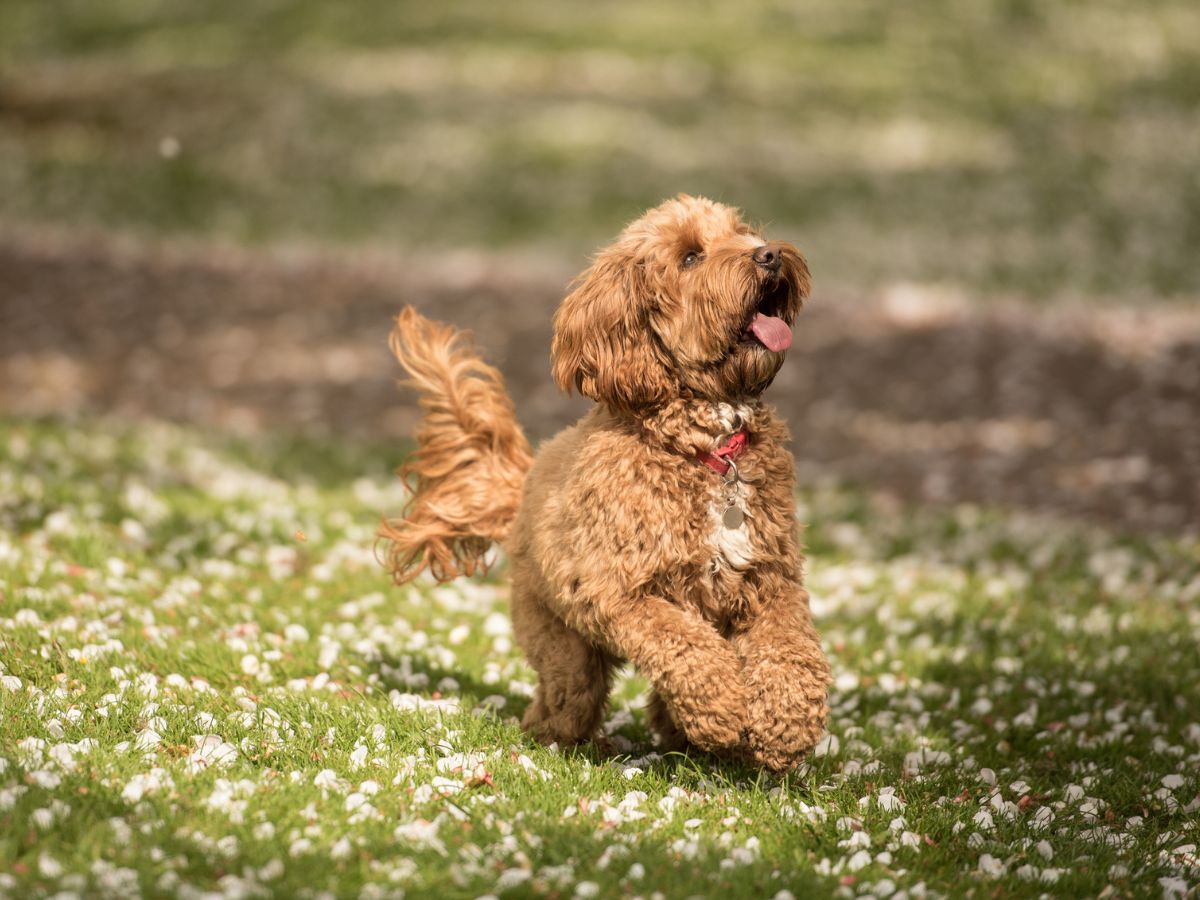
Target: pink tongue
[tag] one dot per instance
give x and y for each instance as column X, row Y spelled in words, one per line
column 772, row 331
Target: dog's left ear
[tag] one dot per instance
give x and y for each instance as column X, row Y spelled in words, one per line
column 604, row 345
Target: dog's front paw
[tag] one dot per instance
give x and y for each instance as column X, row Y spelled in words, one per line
column 718, row 723
column 783, row 726
column 777, row 755
column 787, row 680
column 713, row 732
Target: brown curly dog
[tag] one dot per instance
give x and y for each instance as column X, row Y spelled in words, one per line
column 661, row 527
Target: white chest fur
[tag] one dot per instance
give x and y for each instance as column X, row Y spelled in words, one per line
column 731, row 546
column 731, row 415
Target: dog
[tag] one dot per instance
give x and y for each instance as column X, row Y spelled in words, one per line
column 659, row 529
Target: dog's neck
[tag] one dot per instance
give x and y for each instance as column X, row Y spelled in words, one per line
column 694, row 426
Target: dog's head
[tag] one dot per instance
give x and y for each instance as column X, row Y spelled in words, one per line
column 688, row 302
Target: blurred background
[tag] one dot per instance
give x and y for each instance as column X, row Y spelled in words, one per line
column 209, row 211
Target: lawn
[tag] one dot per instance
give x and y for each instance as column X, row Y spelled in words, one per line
column 207, row 683
column 1052, row 146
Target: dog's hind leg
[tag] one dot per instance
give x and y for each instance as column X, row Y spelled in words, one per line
column 573, row 676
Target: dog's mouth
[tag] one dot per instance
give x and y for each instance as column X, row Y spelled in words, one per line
column 764, row 325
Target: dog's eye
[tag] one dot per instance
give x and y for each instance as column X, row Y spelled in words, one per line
column 691, row 259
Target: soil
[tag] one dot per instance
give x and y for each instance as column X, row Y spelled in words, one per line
column 1077, row 411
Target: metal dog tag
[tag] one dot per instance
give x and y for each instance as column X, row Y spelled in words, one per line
column 733, row 517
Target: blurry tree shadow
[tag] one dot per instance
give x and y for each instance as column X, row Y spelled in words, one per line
column 603, row 751
column 428, row 674
column 1012, row 406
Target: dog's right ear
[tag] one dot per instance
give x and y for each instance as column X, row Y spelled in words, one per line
column 604, row 346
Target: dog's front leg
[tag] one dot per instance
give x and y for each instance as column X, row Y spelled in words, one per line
column 693, row 669
column 786, row 676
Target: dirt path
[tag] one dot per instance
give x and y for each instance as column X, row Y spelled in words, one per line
column 1074, row 411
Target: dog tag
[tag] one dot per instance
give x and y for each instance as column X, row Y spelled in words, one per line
column 733, row 517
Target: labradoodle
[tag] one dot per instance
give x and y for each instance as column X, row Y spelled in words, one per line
column 660, row 528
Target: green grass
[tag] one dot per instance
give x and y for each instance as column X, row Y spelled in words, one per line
column 1014, row 711
column 992, row 147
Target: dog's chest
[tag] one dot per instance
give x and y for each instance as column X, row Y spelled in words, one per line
column 731, row 526
column 731, row 547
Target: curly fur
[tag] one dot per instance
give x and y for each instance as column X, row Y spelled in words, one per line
column 617, row 549
column 470, row 461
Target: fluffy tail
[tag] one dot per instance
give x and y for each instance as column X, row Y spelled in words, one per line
column 470, row 461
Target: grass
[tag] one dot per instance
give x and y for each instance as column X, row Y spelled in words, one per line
column 993, row 147
column 208, row 684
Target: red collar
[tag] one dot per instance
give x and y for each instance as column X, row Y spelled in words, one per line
column 731, row 448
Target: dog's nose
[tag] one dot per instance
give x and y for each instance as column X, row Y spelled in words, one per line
column 769, row 257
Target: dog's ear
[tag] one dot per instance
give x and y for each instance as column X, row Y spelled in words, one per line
column 604, row 345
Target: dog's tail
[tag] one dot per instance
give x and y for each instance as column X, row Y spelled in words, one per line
column 470, row 461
